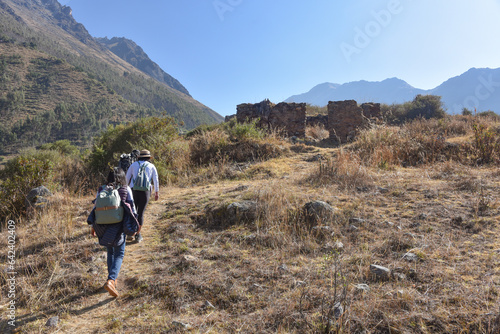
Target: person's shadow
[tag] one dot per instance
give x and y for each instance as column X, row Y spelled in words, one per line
column 47, row 312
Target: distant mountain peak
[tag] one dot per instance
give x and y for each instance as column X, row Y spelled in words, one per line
column 477, row 88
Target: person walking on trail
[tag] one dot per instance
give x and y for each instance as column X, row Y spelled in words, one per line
column 142, row 177
column 111, row 234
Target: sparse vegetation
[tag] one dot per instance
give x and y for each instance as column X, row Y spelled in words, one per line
column 432, row 221
column 45, row 86
column 422, row 106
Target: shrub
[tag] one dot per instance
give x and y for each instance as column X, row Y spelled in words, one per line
column 317, row 132
column 486, row 144
column 241, row 131
column 34, row 168
column 209, row 147
column 235, row 142
column 200, row 130
column 20, row 175
column 426, row 106
column 422, row 106
column 151, row 133
column 62, row 146
column 346, row 171
column 418, row 142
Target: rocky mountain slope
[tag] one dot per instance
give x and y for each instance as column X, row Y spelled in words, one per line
column 58, row 82
column 129, row 51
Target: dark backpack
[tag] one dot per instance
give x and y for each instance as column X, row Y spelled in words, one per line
column 127, row 159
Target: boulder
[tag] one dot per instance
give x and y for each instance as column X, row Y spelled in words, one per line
column 223, row 216
column 37, row 198
column 244, row 211
column 318, row 211
column 380, row 272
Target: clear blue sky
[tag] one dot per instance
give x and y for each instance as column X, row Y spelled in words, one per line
column 227, row 52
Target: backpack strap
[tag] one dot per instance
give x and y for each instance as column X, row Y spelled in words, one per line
column 104, row 208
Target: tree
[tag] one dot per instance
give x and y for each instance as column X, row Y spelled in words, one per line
column 426, row 106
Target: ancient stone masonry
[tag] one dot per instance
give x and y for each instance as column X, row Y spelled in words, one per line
column 346, row 118
column 289, row 117
column 317, row 120
column 249, row 112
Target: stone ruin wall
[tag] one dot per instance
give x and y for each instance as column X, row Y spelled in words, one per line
column 289, row 117
column 343, row 121
column 346, row 118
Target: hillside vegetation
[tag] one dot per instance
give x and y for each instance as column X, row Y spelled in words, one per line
column 254, row 234
column 55, row 76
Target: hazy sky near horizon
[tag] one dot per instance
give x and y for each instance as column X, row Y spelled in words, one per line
column 227, row 52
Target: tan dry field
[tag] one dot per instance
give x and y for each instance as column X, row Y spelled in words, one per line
column 194, row 275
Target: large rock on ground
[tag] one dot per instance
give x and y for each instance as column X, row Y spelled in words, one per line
column 37, row 198
column 318, row 212
column 223, row 216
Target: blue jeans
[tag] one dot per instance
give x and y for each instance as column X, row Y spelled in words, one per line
column 115, row 259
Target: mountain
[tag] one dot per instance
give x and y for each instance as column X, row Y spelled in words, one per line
column 475, row 89
column 59, row 82
column 478, row 88
column 129, row 51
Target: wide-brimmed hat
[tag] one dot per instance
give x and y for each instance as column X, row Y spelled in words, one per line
column 145, row 154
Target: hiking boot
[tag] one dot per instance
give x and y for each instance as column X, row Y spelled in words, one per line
column 138, row 238
column 111, row 288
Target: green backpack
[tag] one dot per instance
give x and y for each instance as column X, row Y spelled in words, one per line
column 142, row 182
column 108, row 209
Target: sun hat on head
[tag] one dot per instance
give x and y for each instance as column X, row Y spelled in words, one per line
column 145, row 154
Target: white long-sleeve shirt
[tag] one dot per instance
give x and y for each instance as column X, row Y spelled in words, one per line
column 150, row 170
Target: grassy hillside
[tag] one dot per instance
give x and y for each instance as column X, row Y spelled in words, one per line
column 48, row 59
column 420, row 200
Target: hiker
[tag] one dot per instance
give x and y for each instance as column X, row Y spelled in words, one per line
column 139, row 177
column 112, row 234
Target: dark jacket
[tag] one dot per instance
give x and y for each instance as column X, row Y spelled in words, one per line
column 113, row 235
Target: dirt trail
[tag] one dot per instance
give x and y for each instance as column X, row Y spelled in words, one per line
column 96, row 311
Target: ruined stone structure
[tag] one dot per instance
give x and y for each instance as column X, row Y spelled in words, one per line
column 346, row 118
column 249, row 112
column 289, row 117
column 317, row 120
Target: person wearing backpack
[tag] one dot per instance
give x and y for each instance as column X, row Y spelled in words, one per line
column 114, row 204
column 142, row 177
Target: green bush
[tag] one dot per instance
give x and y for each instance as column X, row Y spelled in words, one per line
column 235, row 142
column 241, row 131
column 33, row 168
column 153, row 134
column 200, row 130
column 62, row 146
column 422, row 106
column 20, row 175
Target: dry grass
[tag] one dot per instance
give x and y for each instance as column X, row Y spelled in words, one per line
column 346, row 171
column 465, row 139
column 274, row 273
column 317, row 132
